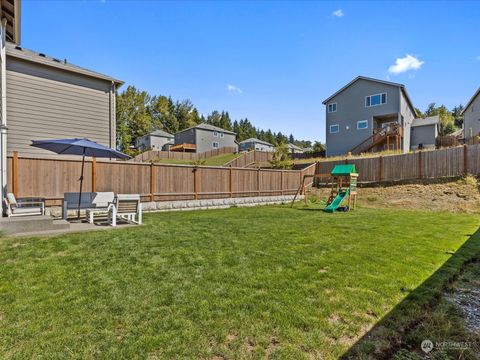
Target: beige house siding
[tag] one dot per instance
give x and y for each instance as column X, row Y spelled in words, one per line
column 47, row 103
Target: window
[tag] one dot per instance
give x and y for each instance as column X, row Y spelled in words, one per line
column 362, row 124
column 215, row 144
column 215, row 134
column 221, row 134
column 334, row 129
column 332, row 107
column 375, row 100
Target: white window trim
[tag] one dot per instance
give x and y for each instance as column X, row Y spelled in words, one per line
column 215, row 134
column 370, row 96
column 221, row 135
column 328, row 107
column 334, row 132
column 362, row 122
column 213, row 144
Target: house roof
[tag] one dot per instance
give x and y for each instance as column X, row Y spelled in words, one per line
column 255, row 140
column 470, row 101
column 161, row 133
column 10, row 10
column 431, row 120
column 40, row 58
column 205, row 126
column 401, row 86
column 293, row 146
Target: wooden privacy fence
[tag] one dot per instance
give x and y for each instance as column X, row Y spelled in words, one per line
column 151, row 155
column 450, row 162
column 51, row 178
column 250, row 158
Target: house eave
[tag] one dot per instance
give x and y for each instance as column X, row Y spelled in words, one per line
column 470, row 101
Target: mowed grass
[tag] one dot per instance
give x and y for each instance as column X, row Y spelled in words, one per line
column 239, row 283
column 218, row 160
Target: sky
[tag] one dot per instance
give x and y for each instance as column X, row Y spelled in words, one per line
column 271, row 62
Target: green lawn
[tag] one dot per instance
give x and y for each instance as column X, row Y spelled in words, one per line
column 218, row 160
column 237, row 283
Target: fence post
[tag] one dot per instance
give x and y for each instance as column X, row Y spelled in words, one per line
column 281, row 181
column 465, row 159
column 420, row 165
column 94, row 174
column 380, row 168
column 15, row 173
column 152, row 182
column 195, row 182
column 230, row 181
column 258, row 181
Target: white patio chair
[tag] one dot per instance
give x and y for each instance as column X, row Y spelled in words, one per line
column 126, row 207
column 99, row 204
column 24, row 207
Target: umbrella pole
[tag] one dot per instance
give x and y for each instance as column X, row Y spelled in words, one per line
column 81, row 185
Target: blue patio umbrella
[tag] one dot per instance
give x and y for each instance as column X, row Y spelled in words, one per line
column 83, row 147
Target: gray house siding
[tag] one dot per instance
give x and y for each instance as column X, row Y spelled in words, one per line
column 406, row 118
column 152, row 142
column 46, row 102
column 351, row 108
column 471, row 124
column 205, row 139
column 425, row 135
column 256, row 146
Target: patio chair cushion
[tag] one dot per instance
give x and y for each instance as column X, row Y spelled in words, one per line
column 11, row 199
column 102, row 199
column 27, row 210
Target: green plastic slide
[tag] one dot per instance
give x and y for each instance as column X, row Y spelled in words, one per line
column 337, row 201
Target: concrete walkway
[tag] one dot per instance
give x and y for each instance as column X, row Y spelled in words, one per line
column 59, row 227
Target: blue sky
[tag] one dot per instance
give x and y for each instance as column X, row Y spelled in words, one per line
column 273, row 62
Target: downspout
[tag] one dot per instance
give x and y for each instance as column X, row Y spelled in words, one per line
column 3, row 113
column 112, row 116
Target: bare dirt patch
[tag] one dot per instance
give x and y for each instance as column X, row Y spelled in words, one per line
column 460, row 196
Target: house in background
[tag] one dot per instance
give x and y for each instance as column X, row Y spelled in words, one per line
column 294, row 149
column 204, row 137
column 424, row 133
column 256, row 144
column 157, row 140
column 471, row 117
column 368, row 115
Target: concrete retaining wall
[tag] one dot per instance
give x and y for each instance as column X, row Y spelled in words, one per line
column 179, row 205
column 217, row 203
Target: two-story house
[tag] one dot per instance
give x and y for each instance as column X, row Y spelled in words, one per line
column 471, row 117
column 204, row 137
column 256, row 144
column 43, row 97
column 156, row 140
column 368, row 115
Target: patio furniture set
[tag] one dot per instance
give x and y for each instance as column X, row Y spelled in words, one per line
column 126, row 207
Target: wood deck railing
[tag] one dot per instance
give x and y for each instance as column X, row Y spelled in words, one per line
column 379, row 136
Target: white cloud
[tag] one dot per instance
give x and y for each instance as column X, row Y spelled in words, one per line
column 404, row 64
column 232, row 89
column 338, row 13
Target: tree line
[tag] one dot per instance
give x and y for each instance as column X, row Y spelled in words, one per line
column 139, row 113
